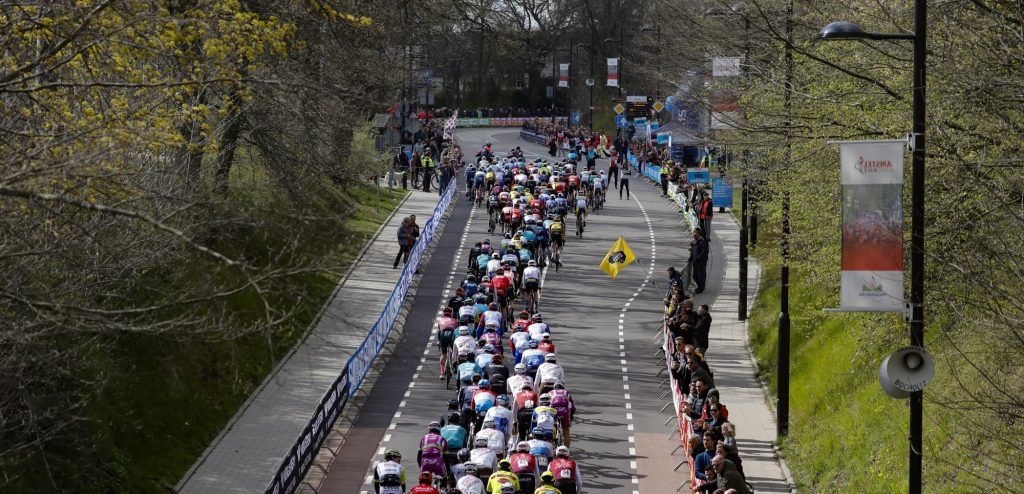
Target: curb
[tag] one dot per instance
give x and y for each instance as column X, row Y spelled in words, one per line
column 346, row 421
column 288, row 355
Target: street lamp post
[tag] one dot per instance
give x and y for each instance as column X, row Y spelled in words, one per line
column 568, row 90
column 590, row 82
column 618, row 42
column 841, row 30
column 657, row 31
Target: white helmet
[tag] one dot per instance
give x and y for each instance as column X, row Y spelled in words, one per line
column 480, row 442
column 562, row 451
column 520, row 368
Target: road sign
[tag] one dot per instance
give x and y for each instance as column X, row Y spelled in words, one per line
column 621, row 121
column 619, row 109
column 576, row 117
column 658, row 106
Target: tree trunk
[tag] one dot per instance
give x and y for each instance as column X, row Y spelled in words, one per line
column 228, row 144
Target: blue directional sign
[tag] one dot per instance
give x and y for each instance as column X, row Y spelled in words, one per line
column 698, row 175
column 576, row 117
column 621, row 121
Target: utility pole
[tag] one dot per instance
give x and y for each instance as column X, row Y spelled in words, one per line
column 743, row 254
column 782, row 377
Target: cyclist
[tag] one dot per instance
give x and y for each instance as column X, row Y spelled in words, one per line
column 546, row 344
column 455, row 303
column 581, row 214
column 549, row 370
column 497, row 373
column 467, row 369
column 533, row 358
column 459, row 469
column 501, row 416
column 389, row 475
column 544, row 418
column 523, row 322
column 547, row 484
column 519, row 380
column 557, row 232
column 523, row 404
column 502, row 477
column 430, row 457
column 445, row 337
column 531, row 284
column 484, row 359
column 491, row 317
column 495, row 438
column 561, row 400
column 455, row 435
column 541, row 449
column 538, row 329
column 566, row 472
column 470, row 483
column 425, row 487
column 520, row 342
column 464, row 344
column 483, row 400
column 524, row 465
column 467, row 313
column 483, row 457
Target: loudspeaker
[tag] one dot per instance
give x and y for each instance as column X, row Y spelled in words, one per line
column 907, row 370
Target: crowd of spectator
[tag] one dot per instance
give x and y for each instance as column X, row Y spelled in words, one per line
column 501, row 112
column 711, row 446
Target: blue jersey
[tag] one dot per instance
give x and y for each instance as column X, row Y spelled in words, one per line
column 529, row 235
column 525, row 255
column 469, row 288
column 455, row 435
column 467, row 370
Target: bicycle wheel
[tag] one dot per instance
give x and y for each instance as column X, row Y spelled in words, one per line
column 435, row 182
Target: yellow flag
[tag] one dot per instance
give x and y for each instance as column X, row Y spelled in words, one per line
column 618, row 257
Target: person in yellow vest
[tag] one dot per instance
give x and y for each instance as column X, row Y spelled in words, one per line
column 503, row 476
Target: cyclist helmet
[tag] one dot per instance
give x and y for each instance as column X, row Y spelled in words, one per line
column 471, row 468
column 547, row 475
column 533, row 343
column 460, row 291
column 489, row 348
column 392, row 454
column 520, row 368
column 463, row 330
column 491, row 328
column 454, row 418
column 537, row 433
column 467, row 302
column 559, row 385
column 503, row 400
column 508, row 235
column 495, row 255
column 524, row 314
column 471, row 278
column 523, row 447
column 488, row 423
column 453, row 404
column 493, row 306
column 562, row 451
column 530, row 263
column 507, row 487
column 544, row 399
column 434, row 426
column 448, row 310
column 484, row 384
column 550, row 357
column 537, row 317
column 480, row 442
column 426, row 478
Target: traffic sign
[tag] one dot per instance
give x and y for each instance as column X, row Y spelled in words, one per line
column 658, row 105
column 621, row 121
column 619, row 109
column 576, row 117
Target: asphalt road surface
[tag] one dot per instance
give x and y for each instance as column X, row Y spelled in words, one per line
column 603, row 329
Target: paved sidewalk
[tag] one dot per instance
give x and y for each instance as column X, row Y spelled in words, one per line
column 734, row 371
column 247, row 453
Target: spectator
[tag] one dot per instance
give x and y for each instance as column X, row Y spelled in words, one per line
column 710, row 484
column 692, row 374
column 728, row 476
column 703, row 460
column 702, row 386
column 702, row 330
column 704, row 213
column 405, row 242
column 721, row 450
column 699, row 260
column 729, row 437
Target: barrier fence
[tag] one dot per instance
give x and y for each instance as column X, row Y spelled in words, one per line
column 653, row 172
column 506, row 121
column 300, row 457
column 533, row 137
column 683, row 421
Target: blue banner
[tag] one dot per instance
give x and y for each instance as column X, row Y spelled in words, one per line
column 721, row 193
column 698, row 175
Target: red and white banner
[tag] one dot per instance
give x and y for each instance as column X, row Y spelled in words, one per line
column 872, row 259
column 563, row 75
column 613, row 72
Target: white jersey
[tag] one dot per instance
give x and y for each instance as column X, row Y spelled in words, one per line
column 493, row 265
column 531, row 274
column 502, row 418
column 484, row 457
column 515, row 383
column 465, row 344
column 495, row 439
column 390, row 475
column 548, row 370
column 492, row 317
column 469, row 484
column 467, row 311
column 537, row 330
column 521, row 339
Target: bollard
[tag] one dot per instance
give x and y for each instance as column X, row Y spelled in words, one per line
column 663, row 411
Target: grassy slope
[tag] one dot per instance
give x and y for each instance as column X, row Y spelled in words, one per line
column 165, row 400
column 846, row 435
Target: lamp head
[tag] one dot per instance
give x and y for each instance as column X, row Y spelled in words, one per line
column 842, row 30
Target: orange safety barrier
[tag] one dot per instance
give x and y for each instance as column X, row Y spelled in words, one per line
column 684, row 422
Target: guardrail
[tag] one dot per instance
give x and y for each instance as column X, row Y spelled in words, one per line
column 533, row 137
column 300, row 457
column 506, row 121
column 683, row 422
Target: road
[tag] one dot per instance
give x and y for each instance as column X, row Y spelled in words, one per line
column 603, row 329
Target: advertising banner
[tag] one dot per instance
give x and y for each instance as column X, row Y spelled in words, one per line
column 698, row 175
column 563, row 75
column 721, row 193
column 725, row 66
column 872, row 258
column 613, row 72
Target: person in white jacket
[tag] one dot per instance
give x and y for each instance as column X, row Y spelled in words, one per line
column 549, row 370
